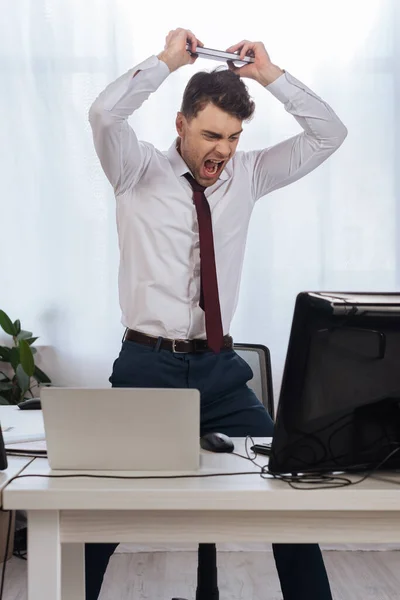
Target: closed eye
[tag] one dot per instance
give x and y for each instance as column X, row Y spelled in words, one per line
column 213, row 135
column 217, row 137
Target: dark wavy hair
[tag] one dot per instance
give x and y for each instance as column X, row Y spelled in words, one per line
column 223, row 88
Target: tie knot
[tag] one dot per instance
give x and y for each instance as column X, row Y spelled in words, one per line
column 196, row 187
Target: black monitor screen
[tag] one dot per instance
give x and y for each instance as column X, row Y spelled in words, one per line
column 339, row 406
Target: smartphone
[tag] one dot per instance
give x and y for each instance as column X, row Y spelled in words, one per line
column 219, row 55
column 262, row 449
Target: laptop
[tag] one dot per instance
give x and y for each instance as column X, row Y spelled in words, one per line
column 122, row 429
column 220, row 55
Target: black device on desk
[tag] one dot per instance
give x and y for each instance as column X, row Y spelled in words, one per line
column 339, row 407
column 30, row 404
column 264, row 449
column 3, row 455
column 216, row 442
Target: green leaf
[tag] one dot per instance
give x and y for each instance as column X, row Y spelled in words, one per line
column 14, row 358
column 23, row 380
column 3, row 400
column 5, row 353
column 6, row 324
column 24, row 335
column 31, row 340
column 40, row 376
column 5, row 386
column 27, row 362
column 17, row 325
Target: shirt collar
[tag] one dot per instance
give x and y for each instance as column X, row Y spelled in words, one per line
column 180, row 167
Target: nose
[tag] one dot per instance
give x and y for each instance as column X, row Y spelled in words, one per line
column 223, row 149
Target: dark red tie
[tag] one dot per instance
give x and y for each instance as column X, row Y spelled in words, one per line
column 209, row 297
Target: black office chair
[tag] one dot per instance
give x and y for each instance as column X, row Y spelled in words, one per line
column 259, row 359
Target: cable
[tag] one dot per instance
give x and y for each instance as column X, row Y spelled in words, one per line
column 371, row 472
column 308, row 440
column 311, row 478
column 305, row 437
column 134, row 477
column 333, row 480
column 316, row 476
column 241, row 456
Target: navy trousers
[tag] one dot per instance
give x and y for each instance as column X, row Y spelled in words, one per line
column 227, row 406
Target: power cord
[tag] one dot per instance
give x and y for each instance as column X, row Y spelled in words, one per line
column 313, row 442
column 315, row 480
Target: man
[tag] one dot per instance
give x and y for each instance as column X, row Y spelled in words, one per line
column 182, row 221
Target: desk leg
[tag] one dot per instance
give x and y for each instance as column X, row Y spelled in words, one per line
column 73, row 571
column 44, row 552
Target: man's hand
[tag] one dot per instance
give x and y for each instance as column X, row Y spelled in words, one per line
column 175, row 54
column 262, row 69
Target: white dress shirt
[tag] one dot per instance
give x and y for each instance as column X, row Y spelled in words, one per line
column 159, row 273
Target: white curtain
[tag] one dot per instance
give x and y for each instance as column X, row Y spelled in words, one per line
column 337, row 229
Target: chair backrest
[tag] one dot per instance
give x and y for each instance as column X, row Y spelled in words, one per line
column 258, row 358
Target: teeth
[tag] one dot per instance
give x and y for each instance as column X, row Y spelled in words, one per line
column 215, row 165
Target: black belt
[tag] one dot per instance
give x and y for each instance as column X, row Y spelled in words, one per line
column 180, row 346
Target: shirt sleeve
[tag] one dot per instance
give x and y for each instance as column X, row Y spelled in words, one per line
column 288, row 161
column 121, row 155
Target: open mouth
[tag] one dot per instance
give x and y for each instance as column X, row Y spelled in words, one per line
column 212, row 168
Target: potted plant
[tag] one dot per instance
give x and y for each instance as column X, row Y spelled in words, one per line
column 15, row 385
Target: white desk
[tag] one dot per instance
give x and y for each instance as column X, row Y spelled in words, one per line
column 24, row 423
column 220, row 509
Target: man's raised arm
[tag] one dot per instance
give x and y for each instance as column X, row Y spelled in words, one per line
column 122, row 156
column 323, row 131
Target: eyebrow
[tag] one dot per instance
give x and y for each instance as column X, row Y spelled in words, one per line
column 218, row 134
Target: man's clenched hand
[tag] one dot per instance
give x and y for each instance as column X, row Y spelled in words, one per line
column 262, row 69
column 175, row 54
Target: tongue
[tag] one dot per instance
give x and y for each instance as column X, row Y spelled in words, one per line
column 210, row 166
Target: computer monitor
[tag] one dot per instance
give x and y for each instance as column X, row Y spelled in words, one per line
column 339, row 407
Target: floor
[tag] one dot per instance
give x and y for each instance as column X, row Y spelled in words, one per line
column 242, row 576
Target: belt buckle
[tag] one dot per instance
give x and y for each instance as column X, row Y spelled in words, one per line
column 174, row 350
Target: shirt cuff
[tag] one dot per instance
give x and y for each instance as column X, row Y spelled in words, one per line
column 286, row 87
column 153, row 70
column 153, row 62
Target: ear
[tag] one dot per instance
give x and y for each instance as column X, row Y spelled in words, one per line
column 180, row 123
